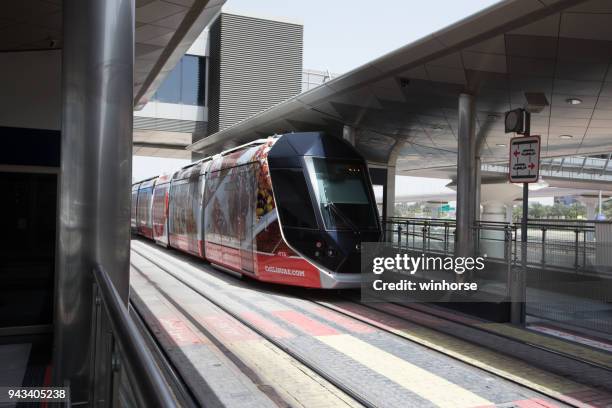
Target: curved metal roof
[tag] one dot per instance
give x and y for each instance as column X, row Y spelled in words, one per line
column 406, row 101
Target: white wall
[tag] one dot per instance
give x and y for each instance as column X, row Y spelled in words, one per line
column 30, row 89
column 200, row 45
column 156, row 109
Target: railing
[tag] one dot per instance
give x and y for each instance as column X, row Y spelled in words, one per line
column 572, row 245
column 124, row 372
column 567, row 278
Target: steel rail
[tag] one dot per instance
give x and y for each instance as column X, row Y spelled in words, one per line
column 304, row 361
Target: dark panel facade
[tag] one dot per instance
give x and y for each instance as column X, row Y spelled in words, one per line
column 30, row 147
column 254, row 64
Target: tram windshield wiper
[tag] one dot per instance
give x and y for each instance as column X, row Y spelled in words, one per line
column 342, row 216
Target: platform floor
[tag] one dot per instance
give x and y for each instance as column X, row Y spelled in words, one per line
column 243, row 343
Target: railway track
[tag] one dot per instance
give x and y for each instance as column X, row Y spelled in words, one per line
column 601, row 374
column 432, row 312
column 361, row 399
column 356, row 394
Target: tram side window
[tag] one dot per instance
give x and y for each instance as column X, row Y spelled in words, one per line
column 180, row 195
column 293, row 199
column 134, row 208
column 144, row 201
column 159, row 202
column 191, row 207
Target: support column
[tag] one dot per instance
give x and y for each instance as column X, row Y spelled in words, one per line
column 389, row 187
column 465, row 176
column 94, row 211
column 348, row 134
column 509, row 207
column 477, row 179
column 389, row 200
column 492, row 242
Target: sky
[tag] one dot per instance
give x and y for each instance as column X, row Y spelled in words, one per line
column 340, row 35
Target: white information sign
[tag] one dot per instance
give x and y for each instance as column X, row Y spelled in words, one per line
column 524, row 162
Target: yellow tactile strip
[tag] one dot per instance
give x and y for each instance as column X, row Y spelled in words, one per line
column 498, row 364
column 431, row 387
column 585, row 353
column 298, row 385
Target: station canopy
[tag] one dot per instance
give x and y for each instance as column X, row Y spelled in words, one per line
column 164, row 31
column 406, row 102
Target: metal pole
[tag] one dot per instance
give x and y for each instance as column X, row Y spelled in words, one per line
column 389, row 197
column 465, row 164
column 543, row 245
column 96, row 171
column 399, row 235
column 517, row 312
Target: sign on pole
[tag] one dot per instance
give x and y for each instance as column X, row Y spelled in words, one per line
column 524, row 162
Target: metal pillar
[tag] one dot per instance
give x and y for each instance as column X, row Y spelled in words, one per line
column 94, row 212
column 477, row 179
column 465, row 177
column 477, row 186
column 518, row 289
column 348, row 134
column 390, row 192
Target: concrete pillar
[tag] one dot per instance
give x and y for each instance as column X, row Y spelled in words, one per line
column 592, row 205
column 509, row 207
column 492, row 242
column 389, row 187
column 94, row 210
column 348, row 134
column 465, row 176
column 434, row 210
column 477, row 190
column 389, row 192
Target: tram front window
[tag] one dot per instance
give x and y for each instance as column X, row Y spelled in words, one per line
column 342, row 194
column 293, row 202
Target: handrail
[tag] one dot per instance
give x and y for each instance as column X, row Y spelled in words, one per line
column 150, row 388
column 532, row 222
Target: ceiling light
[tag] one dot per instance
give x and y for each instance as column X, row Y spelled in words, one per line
column 573, row 101
column 565, row 137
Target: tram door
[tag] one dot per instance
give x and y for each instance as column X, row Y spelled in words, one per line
column 27, row 249
column 248, row 197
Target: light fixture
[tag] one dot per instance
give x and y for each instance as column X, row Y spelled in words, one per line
column 516, row 121
column 573, row 101
column 565, row 137
column 500, row 145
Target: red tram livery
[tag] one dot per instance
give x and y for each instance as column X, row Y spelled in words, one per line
column 291, row 209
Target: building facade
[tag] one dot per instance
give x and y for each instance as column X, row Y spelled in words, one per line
column 239, row 66
column 254, row 64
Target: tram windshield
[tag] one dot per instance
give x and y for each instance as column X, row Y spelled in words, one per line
column 342, row 194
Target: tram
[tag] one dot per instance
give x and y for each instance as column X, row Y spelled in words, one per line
column 291, row 209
